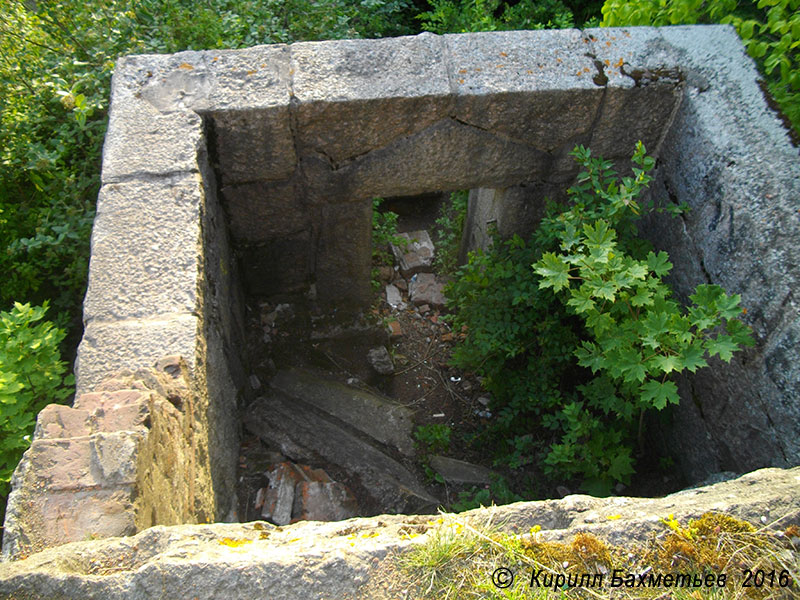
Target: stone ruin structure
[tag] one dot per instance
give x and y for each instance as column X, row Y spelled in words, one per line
column 251, row 172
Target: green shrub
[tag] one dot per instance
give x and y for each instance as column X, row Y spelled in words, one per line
column 31, row 376
column 450, row 224
column 770, row 30
column 434, row 438
column 497, row 492
column 588, row 346
column 462, row 16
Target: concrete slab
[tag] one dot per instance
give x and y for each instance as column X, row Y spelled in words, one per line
column 302, row 435
column 381, row 418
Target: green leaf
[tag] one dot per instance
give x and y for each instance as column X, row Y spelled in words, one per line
column 598, row 235
column 659, row 263
column 694, row 357
column 643, row 297
column 600, row 322
column 554, row 272
column 581, row 300
column 655, row 324
column 667, row 364
column 605, row 289
column 630, row 364
column 723, row 346
column 658, row 394
column 588, row 355
column 728, row 306
column 621, row 465
column 569, row 237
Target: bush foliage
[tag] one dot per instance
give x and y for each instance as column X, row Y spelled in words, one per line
column 587, row 342
column 31, row 376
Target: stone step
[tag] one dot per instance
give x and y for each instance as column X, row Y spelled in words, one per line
column 303, row 435
column 98, row 461
column 57, row 421
column 379, row 417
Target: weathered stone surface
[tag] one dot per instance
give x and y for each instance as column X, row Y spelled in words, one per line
column 250, row 78
column 393, row 297
column 279, row 496
column 335, row 560
column 517, row 83
column 96, row 461
column 738, row 234
column 278, row 265
column 298, row 492
column 324, row 501
column 650, row 106
column 344, row 89
column 416, row 254
column 59, row 421
column 380, row 360
column 172, row 82
column 109, row 347
column 143, row 141
column 515, row 210
column 344, row 253
column 446, row 155
column 425, row 288
column 254, row 145
column 459, row 471
column 518, row 61
column 154, row 271
column 304, row 436
column 381, row 418
column 261, row 211
column 122, row 459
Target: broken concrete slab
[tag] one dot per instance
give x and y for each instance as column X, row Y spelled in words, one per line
column 393, row 297
column 459, row 471
column 414, row 252
column 380, row 360
column 425, row 288
column 323, row 501
column 301, row 434
column 379, row 417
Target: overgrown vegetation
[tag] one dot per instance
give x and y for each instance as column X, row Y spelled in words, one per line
column 463, row 559
column 31, row 376
column 588, row 345
column 450, row 224
column 770, row 30
column 384, row 234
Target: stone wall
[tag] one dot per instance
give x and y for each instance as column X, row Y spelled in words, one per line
column 727, row 156
column 264, row 162
column 357, row 559
column 123, row 458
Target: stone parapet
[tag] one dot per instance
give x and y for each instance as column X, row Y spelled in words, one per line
column 121, row 459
